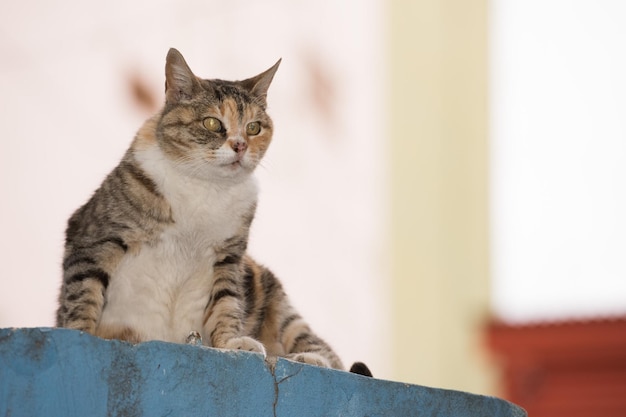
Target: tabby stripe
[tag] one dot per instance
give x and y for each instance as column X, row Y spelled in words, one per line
column 301, row 338
column 249, row 290
column 218, row 94
column 311, row 342
column 248, row 272
column 269, row 283
column 174, row 121
column 315, row 344
column 120, row 226
column 229, row 260
column 184, row 146
column 224, row 293
column 260, row 321
column 235, row 246
column 94, row 273
column 222, row 328
column 226, row 281
column 239, row 107
column 140, row 176
column 125, row 193
column 76, row 259
column 138, row 213
column 120, row 189
column 234, row 317
column 77, row 295
column 113, row 239
column 78, row 314
column 288, row 321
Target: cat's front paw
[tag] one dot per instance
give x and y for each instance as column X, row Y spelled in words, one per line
column 310, row 358
column 245, row 343
column 194, row 338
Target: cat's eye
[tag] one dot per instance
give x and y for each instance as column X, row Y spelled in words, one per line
column 212, row 124
column 253, row 128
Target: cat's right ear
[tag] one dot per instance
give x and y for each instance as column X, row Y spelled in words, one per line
column 180, row 82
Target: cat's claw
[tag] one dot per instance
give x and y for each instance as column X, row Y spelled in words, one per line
column 194, row 338
column 246, row 343
column 310, row 358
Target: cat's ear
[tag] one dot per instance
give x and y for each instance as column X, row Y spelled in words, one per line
column 180, row 82
column 259, row 85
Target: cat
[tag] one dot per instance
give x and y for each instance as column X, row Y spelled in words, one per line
column 159, row 251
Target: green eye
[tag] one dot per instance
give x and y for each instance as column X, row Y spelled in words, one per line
column 212, row 124
column 253, row 128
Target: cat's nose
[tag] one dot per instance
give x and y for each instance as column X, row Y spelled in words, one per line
column 239, row 146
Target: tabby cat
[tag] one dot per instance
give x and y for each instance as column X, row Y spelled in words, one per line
column 159, row 251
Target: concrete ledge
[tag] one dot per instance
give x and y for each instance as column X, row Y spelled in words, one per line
column 60, row 372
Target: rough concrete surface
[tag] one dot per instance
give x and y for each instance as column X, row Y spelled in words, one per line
column 60, row 372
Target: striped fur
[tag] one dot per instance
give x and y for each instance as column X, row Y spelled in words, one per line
column 159, row 250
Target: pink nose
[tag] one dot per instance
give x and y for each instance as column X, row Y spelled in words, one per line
column 239, row 146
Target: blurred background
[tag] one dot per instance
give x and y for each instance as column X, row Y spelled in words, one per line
column 445, row 175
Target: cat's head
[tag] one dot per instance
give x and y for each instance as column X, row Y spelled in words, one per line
column 214, row 129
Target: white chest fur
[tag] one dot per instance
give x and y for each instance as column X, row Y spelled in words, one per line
column 162, row 291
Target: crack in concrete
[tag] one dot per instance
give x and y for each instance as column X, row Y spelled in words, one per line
column 271, row 365
column 270, row 362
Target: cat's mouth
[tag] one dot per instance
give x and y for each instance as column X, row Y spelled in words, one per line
column 234, row 164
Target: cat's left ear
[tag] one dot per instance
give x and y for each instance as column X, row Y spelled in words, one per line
column 259, row 85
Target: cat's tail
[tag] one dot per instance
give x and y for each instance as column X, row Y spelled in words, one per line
column 361, row 369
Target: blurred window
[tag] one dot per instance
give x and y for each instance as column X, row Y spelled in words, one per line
column 558, row 158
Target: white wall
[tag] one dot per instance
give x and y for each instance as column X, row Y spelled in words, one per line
column 66, row 118
column 558, row 135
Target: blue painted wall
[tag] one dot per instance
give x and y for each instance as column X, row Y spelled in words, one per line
column 60, row 372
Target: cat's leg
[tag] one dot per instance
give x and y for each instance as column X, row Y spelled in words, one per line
column 86, row 276
column 281, row 328
column 81, row 304
column 224, row 316
column 119, row 333
column 302, row 345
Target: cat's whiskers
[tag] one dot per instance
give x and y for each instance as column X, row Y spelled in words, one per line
column 262, row 164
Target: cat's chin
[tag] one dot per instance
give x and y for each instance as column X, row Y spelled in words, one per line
column 233, row 165
column 225, row 174
column 238, row 167
column 232, row 173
